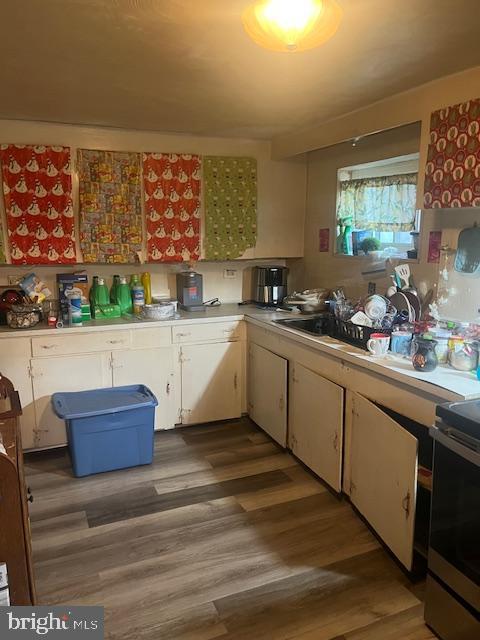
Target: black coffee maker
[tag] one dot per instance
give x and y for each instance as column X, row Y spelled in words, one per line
column 270, row 285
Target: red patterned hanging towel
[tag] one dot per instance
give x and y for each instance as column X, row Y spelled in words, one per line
column 37, row 190
column 172, row 186
column 452, row 173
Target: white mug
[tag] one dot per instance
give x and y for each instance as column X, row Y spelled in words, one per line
column 378, row 344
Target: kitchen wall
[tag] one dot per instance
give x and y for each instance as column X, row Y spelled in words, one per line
column 329, row 270
column 414, row 105
column 281, row 197
column 215, row 285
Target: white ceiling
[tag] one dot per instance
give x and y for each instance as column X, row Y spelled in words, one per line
column 188, row 66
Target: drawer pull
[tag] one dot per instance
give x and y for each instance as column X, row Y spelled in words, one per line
column 183, row 335
column 115, row 341
column 406, row 505
column 168, row 388
column 48, row 346
column 30, row 498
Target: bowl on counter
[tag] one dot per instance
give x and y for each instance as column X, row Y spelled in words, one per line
column 24, row 316
column 164, row 310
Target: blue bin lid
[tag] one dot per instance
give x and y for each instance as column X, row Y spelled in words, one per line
column 84, row 404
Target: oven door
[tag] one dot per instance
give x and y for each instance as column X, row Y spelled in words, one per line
column 454, row 554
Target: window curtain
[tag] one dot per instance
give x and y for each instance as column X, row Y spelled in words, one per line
column 387, row 203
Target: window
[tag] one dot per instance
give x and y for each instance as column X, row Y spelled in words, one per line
column 376, row 208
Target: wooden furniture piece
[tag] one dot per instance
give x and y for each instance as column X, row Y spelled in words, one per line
column 15, row 541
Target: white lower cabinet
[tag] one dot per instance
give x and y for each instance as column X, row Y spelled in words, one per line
column 15, row 365
column 211, row 376
column 316, row 424
column 267, row 392
column 153, row 368
column 382, row 469
column 63, row 373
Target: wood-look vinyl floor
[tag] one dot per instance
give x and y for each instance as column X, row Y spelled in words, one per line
column 224, row 537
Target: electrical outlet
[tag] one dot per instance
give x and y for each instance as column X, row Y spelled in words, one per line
column 230, row 274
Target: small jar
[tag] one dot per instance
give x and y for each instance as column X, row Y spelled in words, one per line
column 442, row 350
column 463, row 353
column 442, row 337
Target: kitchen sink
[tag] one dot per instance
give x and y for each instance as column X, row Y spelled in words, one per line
column 316, row 325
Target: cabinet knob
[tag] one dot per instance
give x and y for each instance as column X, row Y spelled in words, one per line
column 30, row 498
column 406, row 504
column 168, row 388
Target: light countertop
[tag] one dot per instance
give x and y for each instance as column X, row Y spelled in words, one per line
column 227, row 312
column 444, row 383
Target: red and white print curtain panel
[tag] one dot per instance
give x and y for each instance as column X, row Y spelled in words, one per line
column 172, row 186
column 37, row 191
column 452, row 173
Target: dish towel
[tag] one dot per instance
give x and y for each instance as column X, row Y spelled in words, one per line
column 230, row 206
column 452, row 172
column 172, row 186
column 37, row 191
column 110, row 206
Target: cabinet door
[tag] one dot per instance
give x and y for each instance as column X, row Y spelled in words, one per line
column 15, row 365
column 316, row 424
column 383, row 476
column 267, row 392
column 63, row 373
column 153, row 368
column 211, row 378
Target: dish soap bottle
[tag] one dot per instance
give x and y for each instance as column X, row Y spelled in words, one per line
column 147, row 287
column 138, row 295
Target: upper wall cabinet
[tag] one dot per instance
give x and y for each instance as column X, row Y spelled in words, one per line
column 452, row 173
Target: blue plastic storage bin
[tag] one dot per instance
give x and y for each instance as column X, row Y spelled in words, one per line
column 108, row 429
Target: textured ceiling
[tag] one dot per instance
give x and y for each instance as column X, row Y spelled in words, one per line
column 188, row 66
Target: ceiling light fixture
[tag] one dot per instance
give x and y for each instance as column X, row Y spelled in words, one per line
column 292, row 25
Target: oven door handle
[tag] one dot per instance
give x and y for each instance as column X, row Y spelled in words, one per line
column 456, row 445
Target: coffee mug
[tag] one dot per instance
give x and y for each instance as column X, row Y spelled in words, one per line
column 378, row 344
column 401, row 343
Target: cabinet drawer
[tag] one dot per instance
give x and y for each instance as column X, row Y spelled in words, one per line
column 151, row 338
column 80, row 343
column 210, row 331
